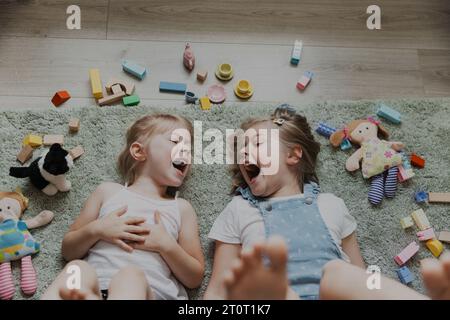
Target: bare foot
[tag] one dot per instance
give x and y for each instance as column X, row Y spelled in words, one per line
column 436, row 276
column 249, row 279
column 74, row 294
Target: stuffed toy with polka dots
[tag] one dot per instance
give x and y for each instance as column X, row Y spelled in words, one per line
column 379, row 158
column 17, row 243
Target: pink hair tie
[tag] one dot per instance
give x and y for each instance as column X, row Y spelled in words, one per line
column 375, row 122
column 346, row 135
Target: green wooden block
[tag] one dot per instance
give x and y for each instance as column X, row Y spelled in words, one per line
column 131, row 100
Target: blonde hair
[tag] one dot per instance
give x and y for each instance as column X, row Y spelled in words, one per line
column 294, row 131
column 142, row 130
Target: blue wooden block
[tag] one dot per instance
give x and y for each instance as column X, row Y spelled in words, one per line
column 405, row 275
column 421, row 196
column 172, row 87
column 389, row 114
column 134, row 69
column 346, row 144
column 406, row 161
column 325, row 130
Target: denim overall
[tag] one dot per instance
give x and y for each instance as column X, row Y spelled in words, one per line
column 309, row 241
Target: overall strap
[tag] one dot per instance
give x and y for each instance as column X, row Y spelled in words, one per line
column 247, row 195
column 311, row 190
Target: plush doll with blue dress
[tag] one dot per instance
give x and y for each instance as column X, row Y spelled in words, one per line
column 17, row 243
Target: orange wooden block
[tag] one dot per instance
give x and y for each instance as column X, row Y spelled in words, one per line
column 60, row 97
column 76, row 152
column 25, row 154
column 417, row 161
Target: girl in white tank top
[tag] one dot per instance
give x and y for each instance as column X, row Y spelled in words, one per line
column 136, row 241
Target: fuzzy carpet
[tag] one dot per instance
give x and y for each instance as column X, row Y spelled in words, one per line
column 425, row 130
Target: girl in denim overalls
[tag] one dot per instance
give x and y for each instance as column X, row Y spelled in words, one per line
column 317, row 232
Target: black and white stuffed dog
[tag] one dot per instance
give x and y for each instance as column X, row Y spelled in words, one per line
column 48, row 171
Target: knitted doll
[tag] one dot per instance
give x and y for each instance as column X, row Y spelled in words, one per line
column 380, row 158
column 16, row 243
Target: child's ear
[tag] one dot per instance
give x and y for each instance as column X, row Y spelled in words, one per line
column 294, row 155
column 137, row 151
column 336, row 138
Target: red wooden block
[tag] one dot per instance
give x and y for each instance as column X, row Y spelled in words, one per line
column 417, row 161
column 60, row 97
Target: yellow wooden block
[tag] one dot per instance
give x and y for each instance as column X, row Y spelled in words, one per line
column 205, row 104
column 421, row 219
column 435, row 246
column 406, row 222
column 96, row 83
column 32, row 141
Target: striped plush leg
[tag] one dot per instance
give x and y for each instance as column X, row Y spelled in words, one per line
column 28, row 281
column 6, row 281
column 376, row 192
column 390, row 186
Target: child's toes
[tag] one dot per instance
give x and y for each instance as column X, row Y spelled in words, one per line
column 276, row 251
column 434, row 276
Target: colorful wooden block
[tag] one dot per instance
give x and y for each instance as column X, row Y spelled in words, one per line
column 417, row 161
column 405, row 275
column 131, row 100
column 50, row 139
column 134, row 69
column 116, row 89
column 205, row 104
column 111, row 98
column 74, row 125
column 407, row 253
column 126, row 86
column 421, row 219
column 296, row 52
column 325, row 130
column 346, row 144
column 201, row 75
column 404, row 174
column 172, row 87
column 76, row 152
column 435, row 246
column 439, row 197
column 304, row 80
column 389, row 114
column 426, row 234
column 96, row 83
column 406, row 222
column 32, row 140
column 444, row 236
column 25, row 154
column 60, row 97
column 421, row 196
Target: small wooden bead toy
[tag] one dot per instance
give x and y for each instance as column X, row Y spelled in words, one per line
column 74, row 125
column 201, row 75
column 421, row 196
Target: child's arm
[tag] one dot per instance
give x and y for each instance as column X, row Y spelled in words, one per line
column 351, row 248
column 224, row 256
column 352, row 163
column 87, row 229
column 185, row 257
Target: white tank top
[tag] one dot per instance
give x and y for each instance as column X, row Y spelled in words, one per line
column 108, row 259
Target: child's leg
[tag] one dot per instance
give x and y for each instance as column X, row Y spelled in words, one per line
column 88, row 284
column 344, row 281
column 390, row 185
column 376, row 192
column 250, row 279
column 129, row 283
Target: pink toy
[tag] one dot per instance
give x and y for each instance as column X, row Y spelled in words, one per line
column 407, row 253
column 216, row 93
column 426, row 234
column 188, row 57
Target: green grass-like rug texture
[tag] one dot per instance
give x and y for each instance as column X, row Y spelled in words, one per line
column 425, row 129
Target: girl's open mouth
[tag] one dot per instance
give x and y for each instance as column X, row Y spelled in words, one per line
column 253, row 171
column 180, row 165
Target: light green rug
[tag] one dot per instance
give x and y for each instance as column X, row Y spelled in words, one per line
column 425, row 130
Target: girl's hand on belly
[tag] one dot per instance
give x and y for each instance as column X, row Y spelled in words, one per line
column 158, row 239
column 115, row 229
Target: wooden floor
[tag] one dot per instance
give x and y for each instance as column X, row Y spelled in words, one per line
column 408, row 57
